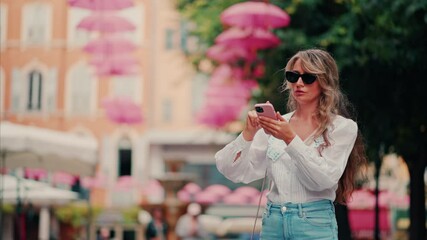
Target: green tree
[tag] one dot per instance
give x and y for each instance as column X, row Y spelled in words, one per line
column 381, row 51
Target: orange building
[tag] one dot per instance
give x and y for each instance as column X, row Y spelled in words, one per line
column 46, row 81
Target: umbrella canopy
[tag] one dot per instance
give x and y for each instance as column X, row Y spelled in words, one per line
column 110, row 46
column 105, row 23
column 250, row 38
column 101, row 4
column 33, row 191
column 223, row 53
column 255, row 14
column 34, row 147
column 123, row 110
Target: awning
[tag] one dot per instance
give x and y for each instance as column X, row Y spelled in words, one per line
column 34, row 147
column 25, row 190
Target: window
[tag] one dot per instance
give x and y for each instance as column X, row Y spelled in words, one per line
column 3, row 25
column 78, row 37
column 36, row 23
column 198, row 88
column 170, row 38
column 35, row 84
column 125, row 158
column 81, row 89
column 167, row 110
column 135, row 15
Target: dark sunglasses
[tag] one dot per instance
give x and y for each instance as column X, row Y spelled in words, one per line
column 293, row 77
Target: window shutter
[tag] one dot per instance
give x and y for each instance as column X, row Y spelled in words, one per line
column 18, row 88
column 51, row 90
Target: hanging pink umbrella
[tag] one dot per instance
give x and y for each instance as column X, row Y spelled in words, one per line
column 115, row 60
column 123, row 110
column 255, row 14
column 105, row 23
column 110, row 46
column 250, row 38
column 109, row 65
column 35, row 173
column 223, row 53
column 101, row 4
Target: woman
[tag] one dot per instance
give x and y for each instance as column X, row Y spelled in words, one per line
column 311, row 155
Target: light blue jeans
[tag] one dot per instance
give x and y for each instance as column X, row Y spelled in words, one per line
column 311, row 220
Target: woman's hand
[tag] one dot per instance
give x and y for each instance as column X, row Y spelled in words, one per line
column 279, row 128
column 251, row 126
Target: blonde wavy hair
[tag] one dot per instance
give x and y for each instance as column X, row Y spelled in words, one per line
column 331, row 102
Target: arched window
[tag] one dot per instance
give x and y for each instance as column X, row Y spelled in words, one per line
column 124, row 166
column 35, row 81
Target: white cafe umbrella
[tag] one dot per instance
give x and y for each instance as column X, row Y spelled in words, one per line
column 34, row 147
column 39, row 193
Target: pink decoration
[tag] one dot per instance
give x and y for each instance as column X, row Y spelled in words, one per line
column 255, row 14
column 105, row 23
column 223, row 53
column 251, row 38
column 110, row 46
column 205, row 197
column 35, row 173
column 98, row 5
column 236, row 198
column 247, row 191
column 218, row 189
column 192, row 188
column 123, row 111
column 63, row 178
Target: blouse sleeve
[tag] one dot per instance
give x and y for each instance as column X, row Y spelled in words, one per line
column 243, row 161
column 322, row 171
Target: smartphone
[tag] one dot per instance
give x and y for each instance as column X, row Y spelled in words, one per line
column 266, row 110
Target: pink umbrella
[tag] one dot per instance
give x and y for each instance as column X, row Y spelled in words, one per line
column 63, row 178
column 110, row 46
column 236, row 198
column 123, row 110
column 218, row 189
column 192, row 188
column 251, row 38
column 223, row 53
column 111, row 70
column 105, row 23
column 247, row 191
column 35, row 173
column 108, row 65
column 255, row 14
column 101, row 4
column 205, row 197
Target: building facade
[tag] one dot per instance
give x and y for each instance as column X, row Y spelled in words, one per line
column 46, row 81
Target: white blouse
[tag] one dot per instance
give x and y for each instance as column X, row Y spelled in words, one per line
column 299, row 173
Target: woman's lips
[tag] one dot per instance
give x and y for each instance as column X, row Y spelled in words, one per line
column 299, row 92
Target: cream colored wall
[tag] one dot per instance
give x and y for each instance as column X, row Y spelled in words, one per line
column 173, row 72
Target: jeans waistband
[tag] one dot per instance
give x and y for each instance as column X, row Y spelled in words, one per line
column 307, row 206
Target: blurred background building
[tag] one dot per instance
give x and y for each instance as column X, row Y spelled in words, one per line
column 58, row 74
